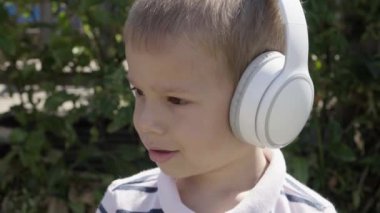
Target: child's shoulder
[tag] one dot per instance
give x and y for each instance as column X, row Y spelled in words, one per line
column 303, row 197
column 145, row 178
column 135, row 193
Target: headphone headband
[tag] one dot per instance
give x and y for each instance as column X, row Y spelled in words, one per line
column 297, row 45
column 275, row 94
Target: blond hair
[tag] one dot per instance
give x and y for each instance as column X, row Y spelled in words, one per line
column 239, row 30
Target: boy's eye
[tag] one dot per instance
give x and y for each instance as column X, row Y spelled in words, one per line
column 173, row 100
column 176, row 101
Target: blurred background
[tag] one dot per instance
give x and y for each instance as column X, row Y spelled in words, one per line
column 66, row 108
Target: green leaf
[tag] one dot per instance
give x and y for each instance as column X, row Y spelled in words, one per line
column 299, row 167
column 5, row 166
column 53, row 156
column 86, row 4
column 356, row 198
column 77, row 207
column 57, row 99
column 105, row 103
column 120, row 120
column 7, row 45
column 35, row 142
column 94, row 134
column 342, row 152
column 18, row 135
column 334, row 131
column 374, row 67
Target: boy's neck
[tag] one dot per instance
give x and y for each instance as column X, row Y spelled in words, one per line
column 224, row 187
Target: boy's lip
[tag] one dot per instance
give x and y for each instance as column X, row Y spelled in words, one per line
column 161, row 155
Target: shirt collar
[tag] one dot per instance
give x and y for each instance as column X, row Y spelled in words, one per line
column 261, row 198
column 264, row 195
column 168, row 195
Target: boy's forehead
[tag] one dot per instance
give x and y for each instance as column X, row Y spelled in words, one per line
column 165, row 43
column 179, row 66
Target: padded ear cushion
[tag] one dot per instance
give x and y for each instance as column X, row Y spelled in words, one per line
column 251, row 87
column 285, row 108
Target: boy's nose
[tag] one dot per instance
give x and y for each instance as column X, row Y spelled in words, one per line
column 148, row 119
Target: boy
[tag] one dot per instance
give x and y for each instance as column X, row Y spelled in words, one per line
column 185, row 60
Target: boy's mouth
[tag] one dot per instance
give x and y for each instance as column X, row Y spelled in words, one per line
column 161, row 156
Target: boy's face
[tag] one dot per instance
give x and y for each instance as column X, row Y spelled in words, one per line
column 181, row 113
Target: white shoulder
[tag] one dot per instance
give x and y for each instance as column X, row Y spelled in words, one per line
column 144, row 177
column 134, row 193
column 302, row 197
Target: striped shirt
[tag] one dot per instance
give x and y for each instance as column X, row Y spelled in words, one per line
column 152, row 191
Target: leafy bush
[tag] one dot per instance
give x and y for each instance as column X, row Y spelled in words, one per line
column 71, row 132
column 338, row 152
column 64, row 147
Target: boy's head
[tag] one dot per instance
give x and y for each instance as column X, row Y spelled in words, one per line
column 185, row 58
column 235, row 30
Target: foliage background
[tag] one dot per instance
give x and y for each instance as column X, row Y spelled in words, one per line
column 59, row 151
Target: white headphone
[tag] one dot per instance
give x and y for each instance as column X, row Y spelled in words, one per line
column 274, row 96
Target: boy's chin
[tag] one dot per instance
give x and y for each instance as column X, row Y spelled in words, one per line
column 176, row 173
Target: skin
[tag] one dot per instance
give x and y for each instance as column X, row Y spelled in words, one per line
column 182, row 105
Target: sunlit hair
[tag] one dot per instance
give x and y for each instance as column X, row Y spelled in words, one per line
column 237, row 30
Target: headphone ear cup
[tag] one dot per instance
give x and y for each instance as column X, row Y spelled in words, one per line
column 285, row 108
column 248, row 94
column 269, row 109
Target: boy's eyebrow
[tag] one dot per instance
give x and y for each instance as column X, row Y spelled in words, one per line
column 165, row 89
column 174, row 90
